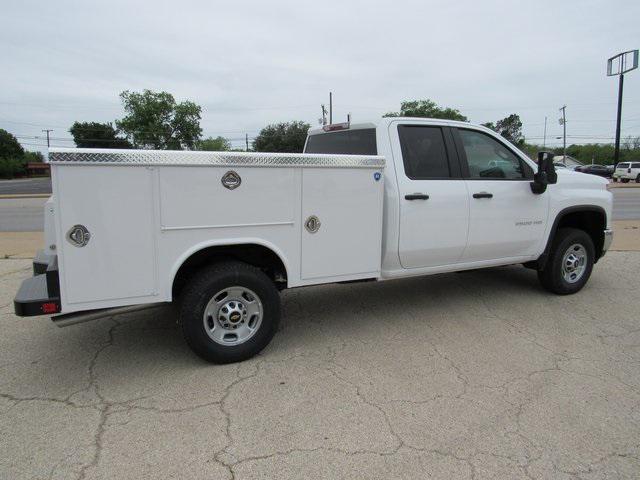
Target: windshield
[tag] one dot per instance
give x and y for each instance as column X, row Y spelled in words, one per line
column 346, row 142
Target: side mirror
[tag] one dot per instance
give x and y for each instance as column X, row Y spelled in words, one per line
column 546, row 173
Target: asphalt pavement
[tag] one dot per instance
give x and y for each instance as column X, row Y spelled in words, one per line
column 24, row 186
column 626, row 203
column 22, row 214
column 481, row 375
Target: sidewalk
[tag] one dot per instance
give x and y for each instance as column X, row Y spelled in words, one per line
column 25, row 244
column 623, row 185
column 20, row 244
column 25, row 195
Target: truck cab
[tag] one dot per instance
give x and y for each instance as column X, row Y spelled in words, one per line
column 458, row 196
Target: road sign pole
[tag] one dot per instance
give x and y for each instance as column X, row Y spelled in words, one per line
column 619, row 65
column 616, row 154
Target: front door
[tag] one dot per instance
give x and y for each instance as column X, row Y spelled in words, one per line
column 506, row 219
column 434, row 202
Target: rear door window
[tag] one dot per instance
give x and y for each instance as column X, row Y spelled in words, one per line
column 635, row 165
column 346, row 142
column 424, row 152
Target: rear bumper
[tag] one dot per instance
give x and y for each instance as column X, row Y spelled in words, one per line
column 40, row 294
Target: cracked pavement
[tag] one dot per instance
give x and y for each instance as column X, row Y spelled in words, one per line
column 476, row 375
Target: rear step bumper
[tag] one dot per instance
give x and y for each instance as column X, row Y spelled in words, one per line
column 40, row 294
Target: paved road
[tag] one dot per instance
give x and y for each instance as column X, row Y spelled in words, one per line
column 26, row 215
column 25, row 186
column 22, row 214
column 477, row 375
column 626, row 203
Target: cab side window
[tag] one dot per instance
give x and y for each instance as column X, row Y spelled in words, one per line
column 489, row 159
column 424, row 152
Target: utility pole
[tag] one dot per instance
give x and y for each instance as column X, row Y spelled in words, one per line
column 544, row 138
column 330, row 108
column 324, row 115
column 47, row 131
column 619, row 65
column 563, row 122
column 246, row 139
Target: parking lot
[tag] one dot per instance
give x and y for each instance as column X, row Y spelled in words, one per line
column 472, row 375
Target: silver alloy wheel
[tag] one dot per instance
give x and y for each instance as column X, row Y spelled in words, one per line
column 233, row 316
column 574, row 263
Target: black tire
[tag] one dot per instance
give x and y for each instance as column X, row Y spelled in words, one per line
column 615, row 180
column 201, row 289
column 638, row 178
column 552, row 277
column 624, row 180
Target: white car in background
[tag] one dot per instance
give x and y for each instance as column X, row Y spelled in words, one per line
column 627, row 171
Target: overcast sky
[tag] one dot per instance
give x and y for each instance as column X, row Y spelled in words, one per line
column 251, row 63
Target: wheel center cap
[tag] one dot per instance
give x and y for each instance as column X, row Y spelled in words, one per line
column 232, row 314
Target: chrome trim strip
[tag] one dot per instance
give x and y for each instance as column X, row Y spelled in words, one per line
column 223, row 159
column 202, row 227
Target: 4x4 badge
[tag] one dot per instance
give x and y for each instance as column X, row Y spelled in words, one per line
column 231, row 180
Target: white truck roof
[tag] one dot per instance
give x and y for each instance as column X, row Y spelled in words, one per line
column 385, row 121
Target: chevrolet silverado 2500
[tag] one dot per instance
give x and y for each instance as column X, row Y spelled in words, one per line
column 223, row 233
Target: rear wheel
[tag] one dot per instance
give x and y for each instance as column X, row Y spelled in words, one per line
column 624, row 180
column 615, row 180
column 570, row 262
column 229, row 312
column 638, row 178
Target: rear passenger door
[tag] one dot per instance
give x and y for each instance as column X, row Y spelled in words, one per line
column 434, row 202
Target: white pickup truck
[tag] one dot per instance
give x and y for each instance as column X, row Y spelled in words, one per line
column 223, row 233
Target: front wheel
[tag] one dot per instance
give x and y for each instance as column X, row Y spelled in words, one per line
column 624, row 180
column 229, row 312
column 615, row 180
column 570, row 262
column 638, row 179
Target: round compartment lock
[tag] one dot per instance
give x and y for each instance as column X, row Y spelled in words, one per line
column 231, row 180
column 78, row 236
column 312, row 224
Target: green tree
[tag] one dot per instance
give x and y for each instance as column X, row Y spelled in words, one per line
column 282, row 137
column 97, row 135
column 12, row 160
column 9, row 145
column 426, row 108
column 218, row 144
column 154, row 120
column 509, row 127
column 33, row 157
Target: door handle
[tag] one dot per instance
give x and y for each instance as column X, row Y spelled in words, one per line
column 416, row 196
column 483, row 195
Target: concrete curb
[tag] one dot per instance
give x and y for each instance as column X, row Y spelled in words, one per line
column 623, row 185
column 25, row 195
